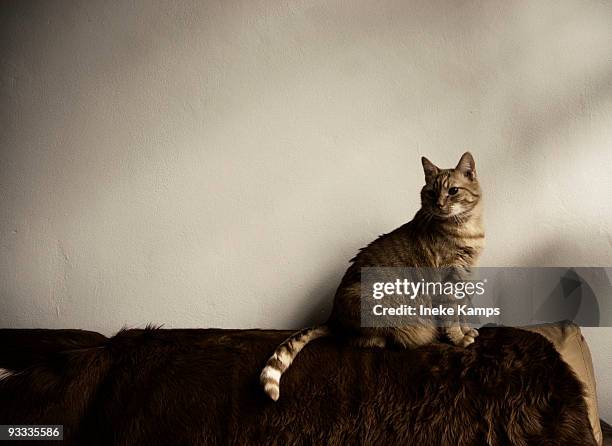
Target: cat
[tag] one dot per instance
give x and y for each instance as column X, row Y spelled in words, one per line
column 447, row 231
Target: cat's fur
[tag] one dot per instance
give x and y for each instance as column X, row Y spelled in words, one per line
column 446, row 232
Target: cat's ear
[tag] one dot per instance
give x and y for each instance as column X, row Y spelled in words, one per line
column 467, row 166
column 430, row 169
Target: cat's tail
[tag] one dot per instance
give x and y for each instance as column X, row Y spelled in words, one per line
column 284, row 355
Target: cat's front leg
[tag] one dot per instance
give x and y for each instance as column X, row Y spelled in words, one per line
column 458, row 330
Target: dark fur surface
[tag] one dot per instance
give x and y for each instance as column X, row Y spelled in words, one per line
column 198, row 387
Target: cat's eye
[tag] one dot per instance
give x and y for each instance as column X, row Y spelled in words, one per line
column 453, row 190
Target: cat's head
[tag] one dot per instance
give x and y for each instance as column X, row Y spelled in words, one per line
column 450, row 192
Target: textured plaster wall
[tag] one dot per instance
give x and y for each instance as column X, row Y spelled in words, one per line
column 216, row 163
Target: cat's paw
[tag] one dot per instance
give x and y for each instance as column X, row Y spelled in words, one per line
column 466, row 341
column 469, row 337
column 471, row 332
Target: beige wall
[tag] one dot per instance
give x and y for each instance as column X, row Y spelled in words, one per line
column 217, row 163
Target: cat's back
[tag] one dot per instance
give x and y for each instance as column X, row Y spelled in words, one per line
column 405, row 246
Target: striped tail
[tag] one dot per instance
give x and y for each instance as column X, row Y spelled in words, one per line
column 284, row 355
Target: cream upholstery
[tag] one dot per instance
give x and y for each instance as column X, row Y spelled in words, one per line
column 570, row 343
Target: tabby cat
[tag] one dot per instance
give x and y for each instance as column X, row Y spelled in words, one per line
column 447, row 231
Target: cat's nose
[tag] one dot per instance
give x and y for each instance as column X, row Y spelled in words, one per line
column 440, row 204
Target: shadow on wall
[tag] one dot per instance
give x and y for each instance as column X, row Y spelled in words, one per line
column 319, row 301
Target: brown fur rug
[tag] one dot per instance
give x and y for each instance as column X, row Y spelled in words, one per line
column 200, row 387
